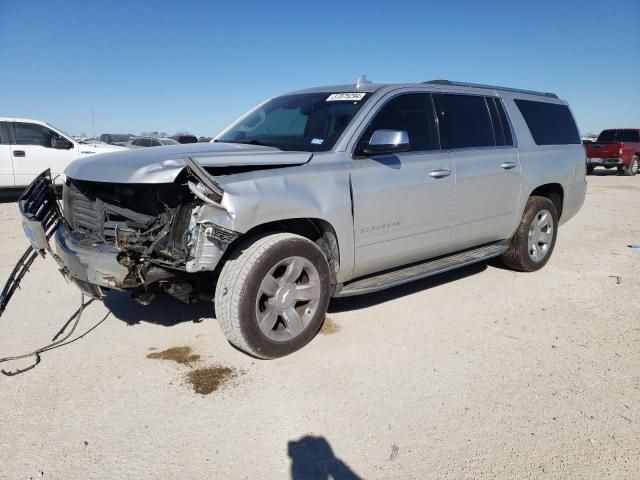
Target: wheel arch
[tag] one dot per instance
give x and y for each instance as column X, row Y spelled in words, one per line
column 318, row 230
column 552, row 191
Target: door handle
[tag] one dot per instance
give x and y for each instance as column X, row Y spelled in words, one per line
column 440, row 173
column 508, row 165
column 18, row 153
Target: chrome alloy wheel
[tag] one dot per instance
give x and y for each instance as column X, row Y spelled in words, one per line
column 634, row 166
column 540, row 235
column 288, row 298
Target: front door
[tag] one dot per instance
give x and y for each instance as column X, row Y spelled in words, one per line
column 403, row 201
column 33, row 152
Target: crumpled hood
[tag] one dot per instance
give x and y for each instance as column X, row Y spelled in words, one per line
column 164, row 164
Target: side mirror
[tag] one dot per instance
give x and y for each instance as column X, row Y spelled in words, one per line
column 61, row 143
column 387, row 141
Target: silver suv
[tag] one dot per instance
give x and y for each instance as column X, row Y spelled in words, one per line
column 328, row 192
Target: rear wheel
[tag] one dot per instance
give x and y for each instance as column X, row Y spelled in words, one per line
column 273, row 294
column 633, row 167
column 534, row 240
column 590, row 169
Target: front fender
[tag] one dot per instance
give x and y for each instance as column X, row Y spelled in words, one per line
column 319, row 190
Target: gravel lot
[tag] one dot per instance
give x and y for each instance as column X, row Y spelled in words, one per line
column 480, row 373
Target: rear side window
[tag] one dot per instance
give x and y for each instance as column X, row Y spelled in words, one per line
column 464, row 121
column 549, row 123
column 501, row 128
column 412, row 113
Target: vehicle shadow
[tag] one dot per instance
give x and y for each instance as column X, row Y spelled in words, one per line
column 163, row 310
column 312, row 458
column 346, row 304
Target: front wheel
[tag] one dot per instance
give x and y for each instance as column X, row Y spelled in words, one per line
column 535, row 238
column 590, row 169
column 272, row 295
column 632, row 168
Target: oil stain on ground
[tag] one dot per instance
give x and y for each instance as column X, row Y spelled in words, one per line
column 329, row 326
column 181, row 355
column 206, row 380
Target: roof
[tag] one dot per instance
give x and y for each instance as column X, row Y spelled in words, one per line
column 27, row 120
column 373, row 87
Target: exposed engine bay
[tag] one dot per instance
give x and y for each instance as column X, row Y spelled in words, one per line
column 160, row 232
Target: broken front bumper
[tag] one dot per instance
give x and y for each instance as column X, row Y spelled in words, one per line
column 90, row 269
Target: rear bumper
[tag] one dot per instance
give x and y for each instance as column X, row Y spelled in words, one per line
column 574, row 196
column 605, row 162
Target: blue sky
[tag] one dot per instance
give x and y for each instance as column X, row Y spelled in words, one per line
column 197, row 65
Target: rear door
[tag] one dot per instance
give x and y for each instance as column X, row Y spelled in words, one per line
column 402, row 201
column 475, row 129
column 6, row 163
column 32, row 152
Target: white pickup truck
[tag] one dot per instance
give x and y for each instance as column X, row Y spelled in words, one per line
column 27, row 147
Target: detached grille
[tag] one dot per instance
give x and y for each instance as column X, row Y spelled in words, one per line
column 38, row 202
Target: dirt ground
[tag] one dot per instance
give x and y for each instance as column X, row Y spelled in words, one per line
column 479, row 373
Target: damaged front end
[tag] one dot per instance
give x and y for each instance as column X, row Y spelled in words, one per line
column 141, row 237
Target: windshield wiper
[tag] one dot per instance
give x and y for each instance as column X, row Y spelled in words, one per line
column 250, row 142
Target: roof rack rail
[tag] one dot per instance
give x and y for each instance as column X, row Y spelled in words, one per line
column 492, row 87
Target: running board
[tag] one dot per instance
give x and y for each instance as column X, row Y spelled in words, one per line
column 422, row 270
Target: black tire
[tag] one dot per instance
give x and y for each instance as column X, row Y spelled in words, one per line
column 518, row 256
column 590, row 169
column 238, row 305
column 632, row 169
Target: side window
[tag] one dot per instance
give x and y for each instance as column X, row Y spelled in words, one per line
column 464, row 121
column 549, row 123
column 633, row 136
column 146, row 142
column 412, row 113
column 4, row 133
column 501, row 129
column 32, row 134
column 155, row 143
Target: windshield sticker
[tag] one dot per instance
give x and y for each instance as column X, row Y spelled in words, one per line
column 317, row 141
column 345, row 97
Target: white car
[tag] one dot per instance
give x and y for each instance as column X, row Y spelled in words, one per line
column 27, row 147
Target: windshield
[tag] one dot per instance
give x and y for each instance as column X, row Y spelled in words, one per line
column 310, row 122
column 618, row 136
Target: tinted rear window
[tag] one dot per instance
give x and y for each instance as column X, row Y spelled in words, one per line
column 464, row 121
column 549, row 123
column 618, row 136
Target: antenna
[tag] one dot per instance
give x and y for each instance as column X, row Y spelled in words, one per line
column 362, row 82
column 93, row 124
